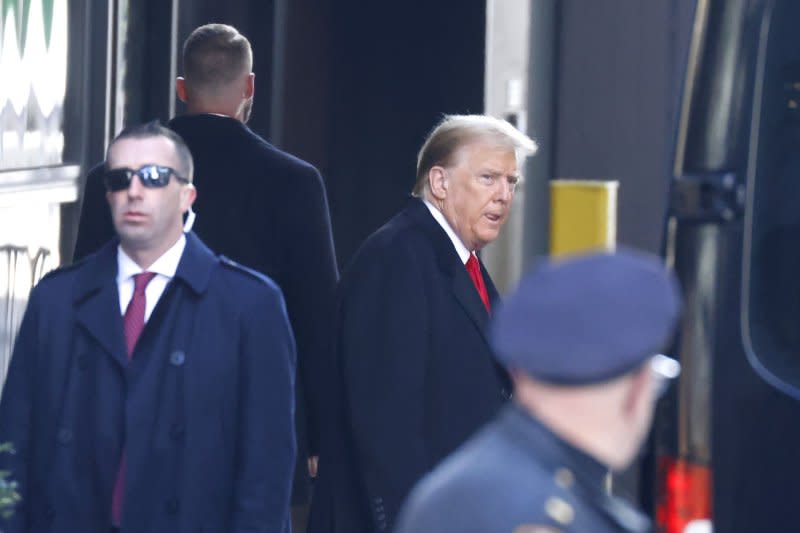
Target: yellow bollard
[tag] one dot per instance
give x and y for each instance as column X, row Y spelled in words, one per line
column 583, row 215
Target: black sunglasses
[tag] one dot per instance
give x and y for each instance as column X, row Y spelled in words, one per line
column 151, row 176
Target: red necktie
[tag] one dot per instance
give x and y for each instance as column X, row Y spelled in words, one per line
column 474, row 269
column 133, row 323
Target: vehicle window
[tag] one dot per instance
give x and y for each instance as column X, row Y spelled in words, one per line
column 771, row 317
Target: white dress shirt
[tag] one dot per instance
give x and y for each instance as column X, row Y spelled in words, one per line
column 164, row 269
column 463, row 253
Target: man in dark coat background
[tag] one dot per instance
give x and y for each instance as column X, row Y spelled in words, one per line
column 261, row 207
column 415, row 374
column 151, row 385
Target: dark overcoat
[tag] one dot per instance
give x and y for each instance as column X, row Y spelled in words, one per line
column 414, row 371
column 204, row 408
column 267, row 210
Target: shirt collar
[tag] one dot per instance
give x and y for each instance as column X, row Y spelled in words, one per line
column 166, row 265
column 462, row 251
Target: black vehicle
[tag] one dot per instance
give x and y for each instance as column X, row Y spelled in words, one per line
column 727, row 438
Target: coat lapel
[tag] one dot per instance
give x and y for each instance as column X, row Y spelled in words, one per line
column 451, row 266
column 96, row 302
column 196, row 264
column 96, row 297
column 494, row 296
column 468, row 297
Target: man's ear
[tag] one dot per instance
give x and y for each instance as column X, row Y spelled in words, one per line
column 180, row 88
column 188, row 196
column 250, row 86
column 438, row 182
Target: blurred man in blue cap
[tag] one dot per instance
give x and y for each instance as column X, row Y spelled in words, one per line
column 581, row 339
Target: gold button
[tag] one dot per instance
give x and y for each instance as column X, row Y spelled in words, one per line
column 564, row 478
column 559, row 510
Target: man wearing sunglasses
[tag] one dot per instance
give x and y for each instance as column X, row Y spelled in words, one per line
column 260, row 206
column 151, row 385
column 578, row 337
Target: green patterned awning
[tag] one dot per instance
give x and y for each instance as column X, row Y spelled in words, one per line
column 20, row 11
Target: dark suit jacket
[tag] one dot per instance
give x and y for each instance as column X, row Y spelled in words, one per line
column 415, row 372
column 264, row 209
column 206, row 403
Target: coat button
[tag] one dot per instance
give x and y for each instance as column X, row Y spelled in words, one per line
column 564, row 478
column 177, row 358
column 506, row 393
column 83, row 361
column 559, row 510
column 64, row 436
column 172, row 505
column 176, row 431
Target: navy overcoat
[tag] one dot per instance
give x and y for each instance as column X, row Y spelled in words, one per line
column 205, row 407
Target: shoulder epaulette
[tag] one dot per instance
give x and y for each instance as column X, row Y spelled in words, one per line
column 63, row 269
column 233, row 265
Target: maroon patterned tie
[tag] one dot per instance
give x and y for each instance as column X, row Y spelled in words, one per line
column 133, row 323
column 474, row 269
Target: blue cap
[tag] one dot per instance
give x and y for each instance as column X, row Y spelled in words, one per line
column 587, row 319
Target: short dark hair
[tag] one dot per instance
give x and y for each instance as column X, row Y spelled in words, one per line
column 155, row 129
column 214, row 55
